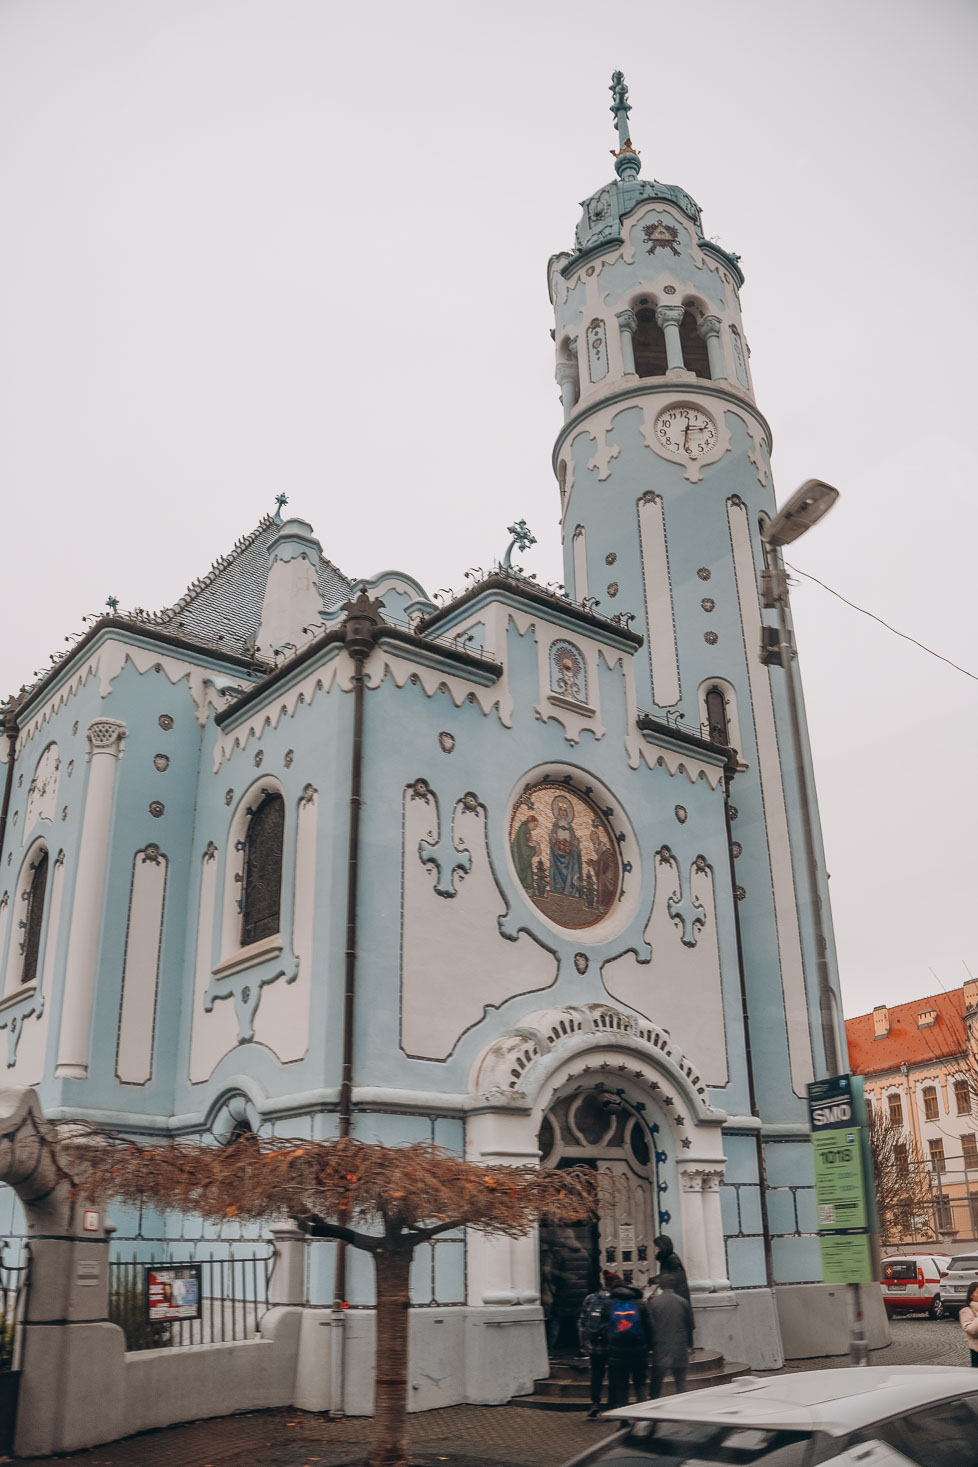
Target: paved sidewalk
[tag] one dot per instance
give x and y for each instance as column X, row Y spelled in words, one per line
column 461, row 1436
column 483, row 1434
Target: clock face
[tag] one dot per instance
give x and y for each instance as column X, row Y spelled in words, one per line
column 685, row 431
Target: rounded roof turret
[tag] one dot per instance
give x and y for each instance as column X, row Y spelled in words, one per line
column 600, row 225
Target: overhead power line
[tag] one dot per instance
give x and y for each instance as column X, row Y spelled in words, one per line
column 873, row 617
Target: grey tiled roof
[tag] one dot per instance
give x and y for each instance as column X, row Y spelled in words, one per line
column 224, row 606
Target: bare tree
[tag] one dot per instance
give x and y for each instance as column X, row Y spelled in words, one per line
column 384, row 1200
column 903, row 1193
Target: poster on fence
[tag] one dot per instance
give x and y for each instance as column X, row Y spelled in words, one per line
column 172, row 1291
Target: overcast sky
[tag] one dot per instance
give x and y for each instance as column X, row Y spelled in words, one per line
column 252, row 246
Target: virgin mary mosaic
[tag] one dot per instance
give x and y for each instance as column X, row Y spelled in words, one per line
column 565, row 855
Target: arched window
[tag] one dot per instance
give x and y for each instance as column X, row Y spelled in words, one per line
column 261, row 898
column 695, row 356
column 34, row 918
column 649, row 344
column 716, row 717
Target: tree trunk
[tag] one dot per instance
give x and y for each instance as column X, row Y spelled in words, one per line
column 392, row 1264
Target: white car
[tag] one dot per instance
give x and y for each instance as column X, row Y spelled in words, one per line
column 961, row 1271
column 901, row 1416
column 914, row 1281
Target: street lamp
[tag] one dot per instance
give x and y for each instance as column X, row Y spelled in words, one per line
column 803, row 510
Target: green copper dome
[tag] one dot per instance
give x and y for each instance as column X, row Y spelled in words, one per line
column 604, row 211
column 600, row 224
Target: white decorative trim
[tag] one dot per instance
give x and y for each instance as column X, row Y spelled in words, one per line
column 249, row 957
column 106, row 736
column 10, row 1000
column 108, row 659
column 520, row 1064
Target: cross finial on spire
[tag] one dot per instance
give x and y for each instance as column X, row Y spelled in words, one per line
column 626, row 158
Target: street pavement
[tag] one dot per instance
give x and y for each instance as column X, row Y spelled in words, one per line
column 461, row 1436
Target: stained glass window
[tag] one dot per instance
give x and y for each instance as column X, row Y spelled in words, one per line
column 262, row 895
column 35, row 916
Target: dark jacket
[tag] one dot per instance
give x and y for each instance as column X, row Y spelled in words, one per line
column 617, row 1345
column 594, row 1344
column 672, row 1328
column 670, row 1262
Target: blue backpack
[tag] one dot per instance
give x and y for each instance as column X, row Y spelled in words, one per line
column 624, row 1322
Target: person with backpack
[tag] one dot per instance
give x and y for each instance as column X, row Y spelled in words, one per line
column 629, row 1341
column 592, row 1328
column 672, row 1335
column 670, row 1263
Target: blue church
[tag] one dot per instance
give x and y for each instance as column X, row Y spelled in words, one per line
column 523, row 873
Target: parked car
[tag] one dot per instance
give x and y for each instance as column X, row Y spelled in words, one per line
column 961, row 1271
column 915, row 1281
column 875, row 1417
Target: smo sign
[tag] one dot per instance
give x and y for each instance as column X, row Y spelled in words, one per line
column 831, row 1104
column 844, row 1186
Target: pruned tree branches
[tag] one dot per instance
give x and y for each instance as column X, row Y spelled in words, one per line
column 385, row 1200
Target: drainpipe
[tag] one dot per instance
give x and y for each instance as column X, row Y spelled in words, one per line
column 11, row 731
column 730, row 770
column 362, row 622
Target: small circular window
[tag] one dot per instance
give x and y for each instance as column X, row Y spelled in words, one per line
column 565, row 855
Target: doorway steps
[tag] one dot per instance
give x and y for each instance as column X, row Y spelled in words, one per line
column 566, row 1388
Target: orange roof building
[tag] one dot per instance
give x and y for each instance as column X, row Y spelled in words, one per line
column 921, row 1070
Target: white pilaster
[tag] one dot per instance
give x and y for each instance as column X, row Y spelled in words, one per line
column 694, row 1229
column 663, row 652
column 501, row 1270
column 580, row 564
column 716, row 1253
column 105, row 739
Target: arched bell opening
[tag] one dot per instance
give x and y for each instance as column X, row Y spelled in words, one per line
column 602, row 1129
column 695, row 355
column 649, row 342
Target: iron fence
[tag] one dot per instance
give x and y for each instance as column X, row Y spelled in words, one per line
column 233, row 1299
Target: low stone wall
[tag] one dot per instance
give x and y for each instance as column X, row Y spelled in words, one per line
column 79, row 1387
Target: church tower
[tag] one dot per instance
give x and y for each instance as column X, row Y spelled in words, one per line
column 663, row 463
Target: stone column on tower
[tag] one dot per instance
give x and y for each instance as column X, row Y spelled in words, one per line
column 709, row 328
column 669, row 319
column 627, row 324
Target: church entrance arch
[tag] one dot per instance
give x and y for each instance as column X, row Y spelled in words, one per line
column 594, row 1085
column 600, row 1129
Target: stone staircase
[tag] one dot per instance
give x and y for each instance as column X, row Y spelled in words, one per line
column 566, row 1388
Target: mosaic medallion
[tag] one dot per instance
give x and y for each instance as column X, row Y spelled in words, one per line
column 565, row 855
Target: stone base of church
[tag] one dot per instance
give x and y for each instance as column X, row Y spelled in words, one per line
column 814, row 1319
column 486, row 1356
column 456, row 1355
column 742, row 1324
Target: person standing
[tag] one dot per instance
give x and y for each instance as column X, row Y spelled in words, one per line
column 592, row 1327
column 968, row 1320
column 629, row 1340
column 672, row 1335
column 670, row 1262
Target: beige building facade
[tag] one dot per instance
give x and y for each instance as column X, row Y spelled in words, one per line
column 919, row 1066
